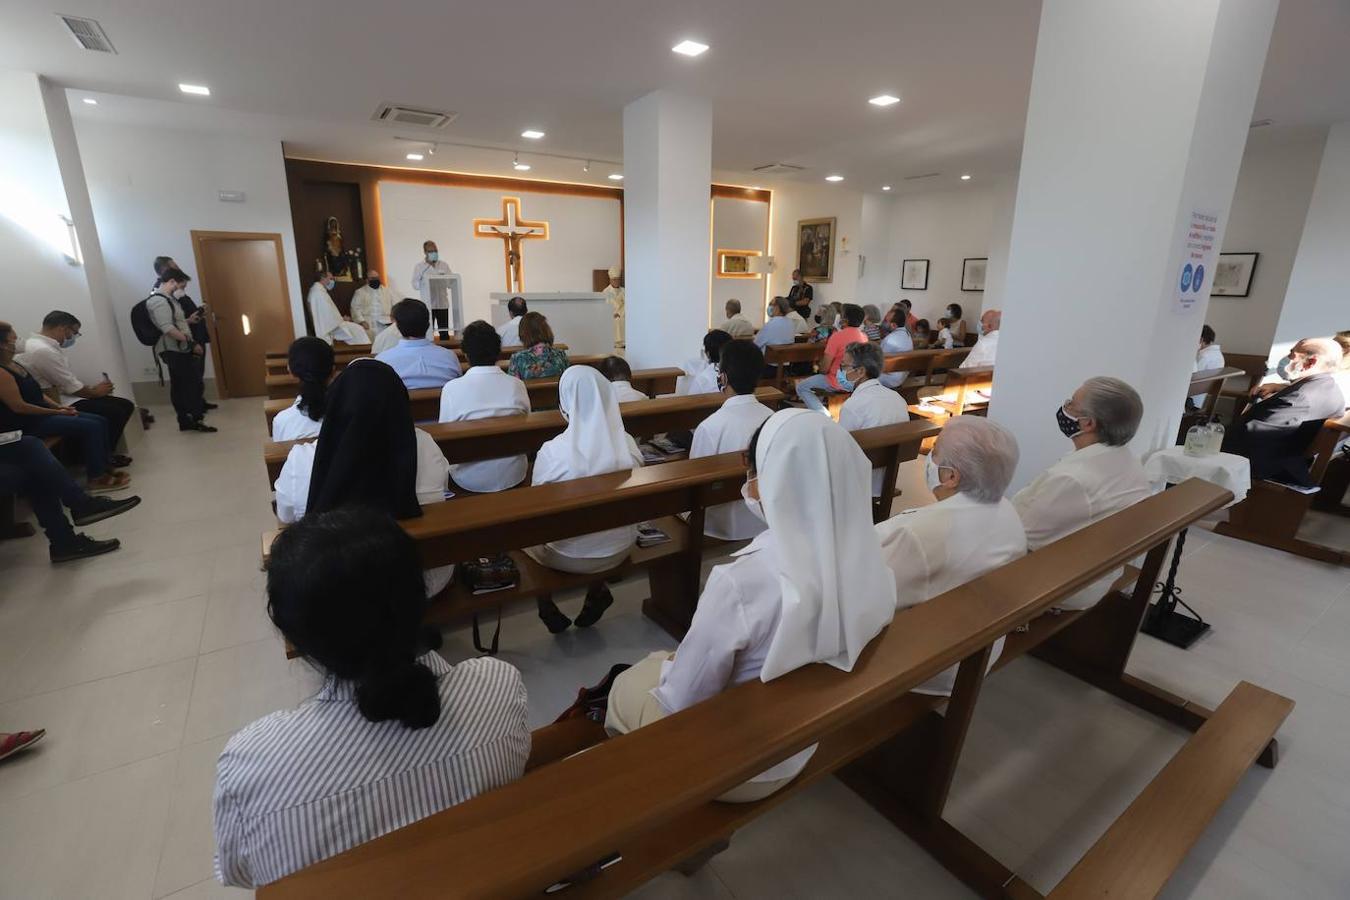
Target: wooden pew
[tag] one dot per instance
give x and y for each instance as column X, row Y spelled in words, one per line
column 283, row 384
column 1209, row 382
column 426, row 402
column 781, row 356
column 935, row 363
column 1272, row 513
column 959, row 395
column 276, row 364
column 648, row 795
column 1251, row 365
column 509, row 435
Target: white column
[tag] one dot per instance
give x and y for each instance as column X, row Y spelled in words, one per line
column 1315, row 302
column 667, row 166
column 1138, row 117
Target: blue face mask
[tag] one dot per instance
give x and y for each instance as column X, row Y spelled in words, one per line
column 843, row 380
column 68, row 342
column 433, row 256
column 329, row 285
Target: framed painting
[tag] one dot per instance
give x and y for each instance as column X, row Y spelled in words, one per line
column 914, row 275
column 1233, row 275
column 972, row 273
column 815, row 249
column 735, row 263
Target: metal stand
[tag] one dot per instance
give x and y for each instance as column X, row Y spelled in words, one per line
column 1162, row 620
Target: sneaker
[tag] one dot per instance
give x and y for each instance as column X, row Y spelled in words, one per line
column 198, row 426
column 82, row 547
column 100, row 508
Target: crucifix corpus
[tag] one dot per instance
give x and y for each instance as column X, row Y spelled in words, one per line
column 511, row 229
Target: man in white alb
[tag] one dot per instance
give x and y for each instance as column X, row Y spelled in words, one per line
column 373, row 305
column 986, row 348
column 1101, row 476
column 509, row 331
column 429, row 267
column 871, row 404
column 330, row 324
column 729, row 430
column 484, row 391
column 737, row 325
column 614, row 296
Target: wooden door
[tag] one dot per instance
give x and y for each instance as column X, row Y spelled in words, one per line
column 243, row 285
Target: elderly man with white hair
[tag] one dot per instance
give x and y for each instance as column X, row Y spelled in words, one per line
column 871, row 404
column 737, row 325
column 1100, row 477
column 1275, row 430
column 971, row 530
column 986, row 348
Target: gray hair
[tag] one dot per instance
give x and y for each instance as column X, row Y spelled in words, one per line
column 984, row 452
column 866, row 356
column 781, row 304
column 733, row 306
column 871, row 313
column 1327, row 351
column 1114, row 406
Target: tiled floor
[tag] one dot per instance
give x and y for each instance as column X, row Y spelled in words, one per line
column 141, row 664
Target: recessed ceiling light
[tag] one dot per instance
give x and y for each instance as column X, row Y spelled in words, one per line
column 91, row 101
column 690, row 48
column 965, row 177
column 834, row 177
column 521, row 167
column 532, row 134
column 884, row 100
column 615, row 176
column 885, row 187
column 200, row 90
column 415, row 157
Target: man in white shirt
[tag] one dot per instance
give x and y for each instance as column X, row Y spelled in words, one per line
column 44, row 355
column 969, row 531
column 700, row 376
column 729, row 430
column 871, row 404
column 1207, row 356
column 737, row 325
column 779, row 328
column 898, row 341
column 1100, row 477
column 986, row 348
column 799, row 325
column 418, row 361
column 432, row 266
column 373, row 305
column 485, row 392
column 329, row 323
column 620, row 376
column 509, row 331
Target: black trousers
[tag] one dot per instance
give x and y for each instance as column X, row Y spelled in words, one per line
column 117, row 410
column 186, row 390
column 441, row 318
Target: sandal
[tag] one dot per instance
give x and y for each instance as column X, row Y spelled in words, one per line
column 113, row 481
column 19, row 740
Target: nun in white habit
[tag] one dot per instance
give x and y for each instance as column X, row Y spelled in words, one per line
column 809, row 589
column 594, row 443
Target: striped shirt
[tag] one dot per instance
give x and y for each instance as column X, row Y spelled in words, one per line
column 301, row 785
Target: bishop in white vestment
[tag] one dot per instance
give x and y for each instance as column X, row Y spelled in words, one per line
column 614, row 296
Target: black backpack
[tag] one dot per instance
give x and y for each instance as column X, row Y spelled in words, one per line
column 141, row 323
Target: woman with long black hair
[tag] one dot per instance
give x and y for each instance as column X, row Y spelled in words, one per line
column 310, row 360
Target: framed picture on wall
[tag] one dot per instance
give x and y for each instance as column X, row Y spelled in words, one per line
column 972, row 273
column 1233, row 274
column 914, row 275
column 735, row 263
column 815, row 249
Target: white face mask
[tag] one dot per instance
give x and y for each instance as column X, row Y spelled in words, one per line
column 180, row 293
column 931, row 473
column 752, row 503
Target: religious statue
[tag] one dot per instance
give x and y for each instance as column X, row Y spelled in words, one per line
column 334, row 255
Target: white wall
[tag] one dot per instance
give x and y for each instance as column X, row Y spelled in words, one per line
column 1270, row 203
column 738, row 224
column 39, row 275
column 1316, row 303
column 793, row 201
column 878, row 281
column 583, row 236
column 152, row 187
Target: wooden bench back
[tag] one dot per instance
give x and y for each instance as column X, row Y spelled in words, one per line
column 1210, row 382
column 283, row 384
column 508, row 435
column 518, row 839
column 1252, row 365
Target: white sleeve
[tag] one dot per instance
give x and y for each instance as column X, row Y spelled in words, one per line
column 419, row 271
column 293, row 485
column 547, row 469
column 231, row 863
column 447, row 413
column 522, row 394
column 433, row 471
column 706, row 657
column 705, row 442
column 1051, row 507
column 848, row 418
column 634, row 451
column 904, row 556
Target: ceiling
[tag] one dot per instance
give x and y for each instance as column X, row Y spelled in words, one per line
column 788, row 79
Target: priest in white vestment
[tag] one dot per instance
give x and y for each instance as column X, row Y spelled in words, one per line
column 373, row 304
column 971, row 530
column 614, row 296
column 329, row 324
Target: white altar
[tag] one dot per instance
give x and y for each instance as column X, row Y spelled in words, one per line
column 582, row 320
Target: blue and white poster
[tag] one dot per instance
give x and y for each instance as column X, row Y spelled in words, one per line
column 1197, row 260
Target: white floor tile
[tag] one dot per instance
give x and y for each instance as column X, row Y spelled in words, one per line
column 189, row 842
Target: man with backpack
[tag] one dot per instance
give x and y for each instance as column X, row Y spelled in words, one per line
column 159, row 321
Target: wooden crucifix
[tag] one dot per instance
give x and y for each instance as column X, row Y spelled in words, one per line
column 511, row 229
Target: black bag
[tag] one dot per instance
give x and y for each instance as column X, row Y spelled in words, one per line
column 141, row 323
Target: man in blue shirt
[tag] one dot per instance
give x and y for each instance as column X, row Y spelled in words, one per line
column 418, row 361
column 778, row 329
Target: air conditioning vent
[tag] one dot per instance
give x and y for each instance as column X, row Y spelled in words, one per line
column 923, row 176
column 396, row 114
column 779, row 169
column 88, row 33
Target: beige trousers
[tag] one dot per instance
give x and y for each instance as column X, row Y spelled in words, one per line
column 631, row 706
